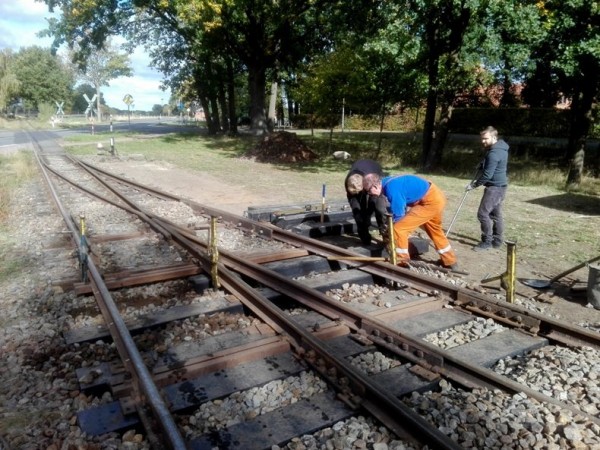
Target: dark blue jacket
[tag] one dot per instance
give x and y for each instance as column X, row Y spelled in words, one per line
column 494, row 166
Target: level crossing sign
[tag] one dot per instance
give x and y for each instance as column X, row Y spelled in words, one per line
column 128, row 99
column 90, row 108
column 59, row 109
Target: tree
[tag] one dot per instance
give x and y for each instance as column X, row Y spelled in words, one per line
column 567, row 64
column 44, row 78
column 264, row 37
column 9, row 83
column 101, row 66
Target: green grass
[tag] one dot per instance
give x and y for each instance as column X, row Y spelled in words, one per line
column 15, row 170
column 398, row 152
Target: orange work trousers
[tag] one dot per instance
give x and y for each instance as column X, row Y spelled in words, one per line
column 427, row 214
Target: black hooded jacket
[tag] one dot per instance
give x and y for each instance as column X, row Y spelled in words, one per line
column 494, row 166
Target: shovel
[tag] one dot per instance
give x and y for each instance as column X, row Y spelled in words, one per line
column 544, row 284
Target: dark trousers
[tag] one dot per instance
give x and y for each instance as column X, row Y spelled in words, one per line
column 363, row 206
column 490, row 214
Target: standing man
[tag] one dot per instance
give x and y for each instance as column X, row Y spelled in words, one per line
column 363, row 206
column 493, row 176
column 425, row 203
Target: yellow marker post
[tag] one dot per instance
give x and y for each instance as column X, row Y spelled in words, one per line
column 508, row 278
column 392, row 243
column 214, row 253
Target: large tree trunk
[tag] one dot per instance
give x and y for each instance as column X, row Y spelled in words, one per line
column 429, row 122
column 223, row 108
column 207, row 114
column 581, row 121
column 256, row 86
column 98, row 110
column 272, row 116
column 441, row 134
column 215, row 113
column 231, row 99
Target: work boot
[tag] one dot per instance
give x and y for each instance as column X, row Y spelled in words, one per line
column 497, row 243
column 482, row 246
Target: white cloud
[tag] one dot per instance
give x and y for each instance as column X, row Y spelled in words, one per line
column 21, row 20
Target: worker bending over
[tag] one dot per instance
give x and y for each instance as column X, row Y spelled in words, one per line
column 414, row 202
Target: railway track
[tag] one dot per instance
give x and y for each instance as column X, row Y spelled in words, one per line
column 288, row 314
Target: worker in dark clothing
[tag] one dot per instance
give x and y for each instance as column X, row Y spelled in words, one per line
column 363, row 206
column 492, row 175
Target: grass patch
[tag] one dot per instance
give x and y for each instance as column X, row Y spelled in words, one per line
column 397, row 152
column 15, row 170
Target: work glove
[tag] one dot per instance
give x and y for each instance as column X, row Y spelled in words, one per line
column 470, row 186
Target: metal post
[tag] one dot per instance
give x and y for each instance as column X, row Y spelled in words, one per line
column 112, row 146
column 111, row 128
column 511, row 272
column 214, row 253
column 82, row 249
column 323, row 204
column 392, row 243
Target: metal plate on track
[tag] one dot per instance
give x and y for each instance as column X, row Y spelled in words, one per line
column 228, row 381
column 401, row 381
column 105, row 419
column 277, row 427
column 431, row 322
column 489, row 350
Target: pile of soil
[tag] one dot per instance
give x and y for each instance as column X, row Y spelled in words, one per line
column 282, row 147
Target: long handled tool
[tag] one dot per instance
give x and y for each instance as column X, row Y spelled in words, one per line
column 475, row 177
column 456, row 214
column 543, row 284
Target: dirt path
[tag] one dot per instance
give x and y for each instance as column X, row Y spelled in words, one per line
column 562, row 302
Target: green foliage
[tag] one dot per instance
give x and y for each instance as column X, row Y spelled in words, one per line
column 409, row 120
column 9, row 83
column 570, row 53
column 45, row 112
column 503, row 38
column 43, row 77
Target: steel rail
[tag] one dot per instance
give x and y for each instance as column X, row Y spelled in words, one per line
column 415, row 350
column 507, row 313
column 132, row 359
column 390, row 410
column 404, row 346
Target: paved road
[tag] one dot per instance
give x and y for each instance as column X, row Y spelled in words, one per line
column 12, row 141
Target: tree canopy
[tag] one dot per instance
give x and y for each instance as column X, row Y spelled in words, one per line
column 43, row 77
column 370, row 53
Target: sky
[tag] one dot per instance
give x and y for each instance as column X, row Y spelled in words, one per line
column 21, row 20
